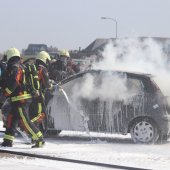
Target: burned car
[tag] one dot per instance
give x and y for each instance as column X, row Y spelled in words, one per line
column 111, row 102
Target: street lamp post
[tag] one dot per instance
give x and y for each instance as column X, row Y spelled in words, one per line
column 112, row 20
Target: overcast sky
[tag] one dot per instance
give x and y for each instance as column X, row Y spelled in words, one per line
column 72, row 24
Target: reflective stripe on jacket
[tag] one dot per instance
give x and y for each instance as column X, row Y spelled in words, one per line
column 21, row 97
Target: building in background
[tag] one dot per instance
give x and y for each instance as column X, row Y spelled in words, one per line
column 33, row 49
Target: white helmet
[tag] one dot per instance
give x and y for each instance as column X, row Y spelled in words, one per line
column 64, row 53
column 12, row 52
column 43, row 56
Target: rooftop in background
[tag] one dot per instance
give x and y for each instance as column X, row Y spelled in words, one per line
column 99, row 43
column 35, row 48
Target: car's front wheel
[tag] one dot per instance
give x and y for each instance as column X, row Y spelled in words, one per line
column 144, row 131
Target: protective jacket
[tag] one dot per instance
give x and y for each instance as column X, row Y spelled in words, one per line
column 58, row 70
column 44, row 78
column 16, row 86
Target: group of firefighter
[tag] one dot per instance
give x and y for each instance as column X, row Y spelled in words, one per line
column 21, row 106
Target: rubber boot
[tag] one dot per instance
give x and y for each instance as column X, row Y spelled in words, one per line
column 7, row 143
column 39, row 143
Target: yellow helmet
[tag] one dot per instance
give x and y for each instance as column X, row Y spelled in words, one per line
column 64, row 53
column 12, row 52
column 44, row 56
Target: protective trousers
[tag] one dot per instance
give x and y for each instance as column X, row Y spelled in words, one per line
column 20, row 112
column 37, row 110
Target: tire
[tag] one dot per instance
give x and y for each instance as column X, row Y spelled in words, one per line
column 144, row 131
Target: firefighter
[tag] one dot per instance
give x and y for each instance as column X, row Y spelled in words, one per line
column 38, row 106
column 58, row 69
column 42, row 63
column 64, row 57
column 16, row 89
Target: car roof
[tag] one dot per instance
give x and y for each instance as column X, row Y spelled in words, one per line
column 130, row 74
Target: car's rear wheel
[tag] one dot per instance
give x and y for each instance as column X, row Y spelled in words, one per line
column 144, row 131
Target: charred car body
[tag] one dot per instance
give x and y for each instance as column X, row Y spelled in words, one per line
column 113, row 102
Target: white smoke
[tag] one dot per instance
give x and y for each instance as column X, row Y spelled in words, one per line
column 101, row 86
column 134, row 55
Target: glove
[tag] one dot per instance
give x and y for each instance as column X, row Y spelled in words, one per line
column 41, row 117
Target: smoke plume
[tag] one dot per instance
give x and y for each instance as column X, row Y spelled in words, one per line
column 146, row 56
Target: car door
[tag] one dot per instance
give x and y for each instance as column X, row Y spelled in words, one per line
column 125, row 101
